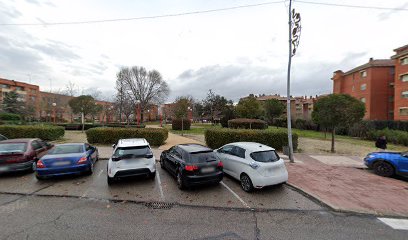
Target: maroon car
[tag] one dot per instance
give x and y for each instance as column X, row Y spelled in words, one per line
column 20, row 154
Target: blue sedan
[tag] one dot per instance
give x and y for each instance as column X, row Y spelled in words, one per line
column 387, row 164
column 65, row 159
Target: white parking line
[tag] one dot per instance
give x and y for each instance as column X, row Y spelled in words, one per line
column 159, row 183
column 89, row 188
column 398, row 224
column 236, row 195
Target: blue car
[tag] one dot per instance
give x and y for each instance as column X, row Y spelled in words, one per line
column 65, row 159
column 387, row 164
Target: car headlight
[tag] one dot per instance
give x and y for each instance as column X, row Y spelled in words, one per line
column 370, row 156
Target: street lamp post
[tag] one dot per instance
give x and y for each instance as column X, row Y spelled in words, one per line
column 53, row 110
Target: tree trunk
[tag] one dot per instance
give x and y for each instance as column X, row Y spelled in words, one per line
column 332, row 143
column 141, row 117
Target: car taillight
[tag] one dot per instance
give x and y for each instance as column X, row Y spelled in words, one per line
column 191, row 168
column 40, row 164
column 220, row 164
column 82, row 160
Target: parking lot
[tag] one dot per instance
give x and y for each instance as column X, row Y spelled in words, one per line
column 228, row 194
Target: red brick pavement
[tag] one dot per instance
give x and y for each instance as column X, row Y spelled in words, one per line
column 349, row 188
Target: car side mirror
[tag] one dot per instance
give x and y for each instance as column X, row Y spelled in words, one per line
column 113, row 145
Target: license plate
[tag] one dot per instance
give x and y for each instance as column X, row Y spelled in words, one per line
column 62, row 163
column 207, row 169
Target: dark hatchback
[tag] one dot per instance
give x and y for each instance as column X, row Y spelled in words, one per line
column 192, row 164
column 21, row 154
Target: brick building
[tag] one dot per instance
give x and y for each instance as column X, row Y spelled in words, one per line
column 372, row 83
column 27, row 93
column 401, row 83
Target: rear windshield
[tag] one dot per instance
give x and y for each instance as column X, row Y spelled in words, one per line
column 129, row 152
column 13, row 148
column 265, row 156
column 202, row 157
column 66, row 149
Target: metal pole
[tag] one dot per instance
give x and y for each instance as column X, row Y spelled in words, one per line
column 288, row 112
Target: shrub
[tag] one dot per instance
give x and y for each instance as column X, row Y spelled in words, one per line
column 78, row 126
column 106, row 135
column 176, row 124
column 10, row 117
column 280, row 122
column 43, row 132
column 393, row 136
column 216, row 138
column 247, row 123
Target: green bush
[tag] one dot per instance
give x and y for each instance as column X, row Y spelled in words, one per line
column 216, row 138
column 393, row 136
column 43, row 132
column 280, row 122
column 247, row 123
column 176, row 124
column 10, row 117
column 106, row 135
column 78, row 126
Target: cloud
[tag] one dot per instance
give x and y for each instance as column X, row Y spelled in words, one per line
column 8, row 12
column 238, row 80
column 386, row 15
column 57, row 50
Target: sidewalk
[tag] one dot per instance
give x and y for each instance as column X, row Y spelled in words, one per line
column 347, row 188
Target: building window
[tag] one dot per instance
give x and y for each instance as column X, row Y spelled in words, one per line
column 33, row 91
column 392, row 71
column 403, row 111
column 404, row 61
column 391, row 99
column 19, row 88
column 363, row 74
column 404, row 78
column 363, row 87
column 404, row 94
column 363, row 100
column 352, row 89
column 4, row 86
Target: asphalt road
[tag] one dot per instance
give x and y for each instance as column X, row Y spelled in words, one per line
column 86, row 207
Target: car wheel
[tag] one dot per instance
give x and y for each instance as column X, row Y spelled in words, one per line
column 152, row 175
column 383, row 169
column 162, row 164
column 40, row 178
column 91, row 169
column 180, row 183
column 33, row 167
column 246, row 183
column 110, row 180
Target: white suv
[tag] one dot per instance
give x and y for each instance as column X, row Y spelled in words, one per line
column 131, row 157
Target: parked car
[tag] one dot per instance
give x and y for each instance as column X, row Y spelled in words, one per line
column 2, row 137
column 387, row 164
column 21, row 154
column 254, row 164
column 192, row 164
column 131, row 157
column 66, row 159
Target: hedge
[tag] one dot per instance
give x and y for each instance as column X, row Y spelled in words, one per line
column 176, row 124
column 49, row 133
column 277, row 139
column 393, row 136
column 78, row 126
column 247, row 123
column 106, row 135
column 10, row 117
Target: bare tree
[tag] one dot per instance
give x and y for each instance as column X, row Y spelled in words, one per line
column 120, row 95
column 71, row 89
column 146, row 87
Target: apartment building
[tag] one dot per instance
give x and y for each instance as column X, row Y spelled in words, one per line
column 401, row 83
column 373, row 84
column 26, row 92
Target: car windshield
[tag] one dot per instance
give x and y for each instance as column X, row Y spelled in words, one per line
column 66, row 149
column 265, row 156
column 129, row 152
column 202, row 157
column 13, row 148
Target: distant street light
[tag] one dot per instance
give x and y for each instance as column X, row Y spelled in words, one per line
column 53, row 110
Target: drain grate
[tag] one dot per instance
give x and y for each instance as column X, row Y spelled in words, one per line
column 159, row 205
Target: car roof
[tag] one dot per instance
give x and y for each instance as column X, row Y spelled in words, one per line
column 132, row 142
column 19, row 140
column 252, row 146
column 69, row 144
column 193, row 147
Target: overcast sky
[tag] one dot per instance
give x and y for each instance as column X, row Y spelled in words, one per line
column 234, row 52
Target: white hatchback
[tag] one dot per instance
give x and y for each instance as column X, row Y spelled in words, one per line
column 131, row 157
column 254, row 164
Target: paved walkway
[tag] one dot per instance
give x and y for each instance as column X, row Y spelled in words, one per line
column 347, row 188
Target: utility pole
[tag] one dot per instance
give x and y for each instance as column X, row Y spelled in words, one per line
column 294, row 36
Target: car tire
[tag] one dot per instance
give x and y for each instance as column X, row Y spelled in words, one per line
column 39, row 178
column 383, row 169
column 180, row 183
column 246, row 183
column 162, row 164
column 91, row 170
column 152, row 175
column 110, row 180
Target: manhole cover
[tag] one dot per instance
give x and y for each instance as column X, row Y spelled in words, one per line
column 159, row 205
